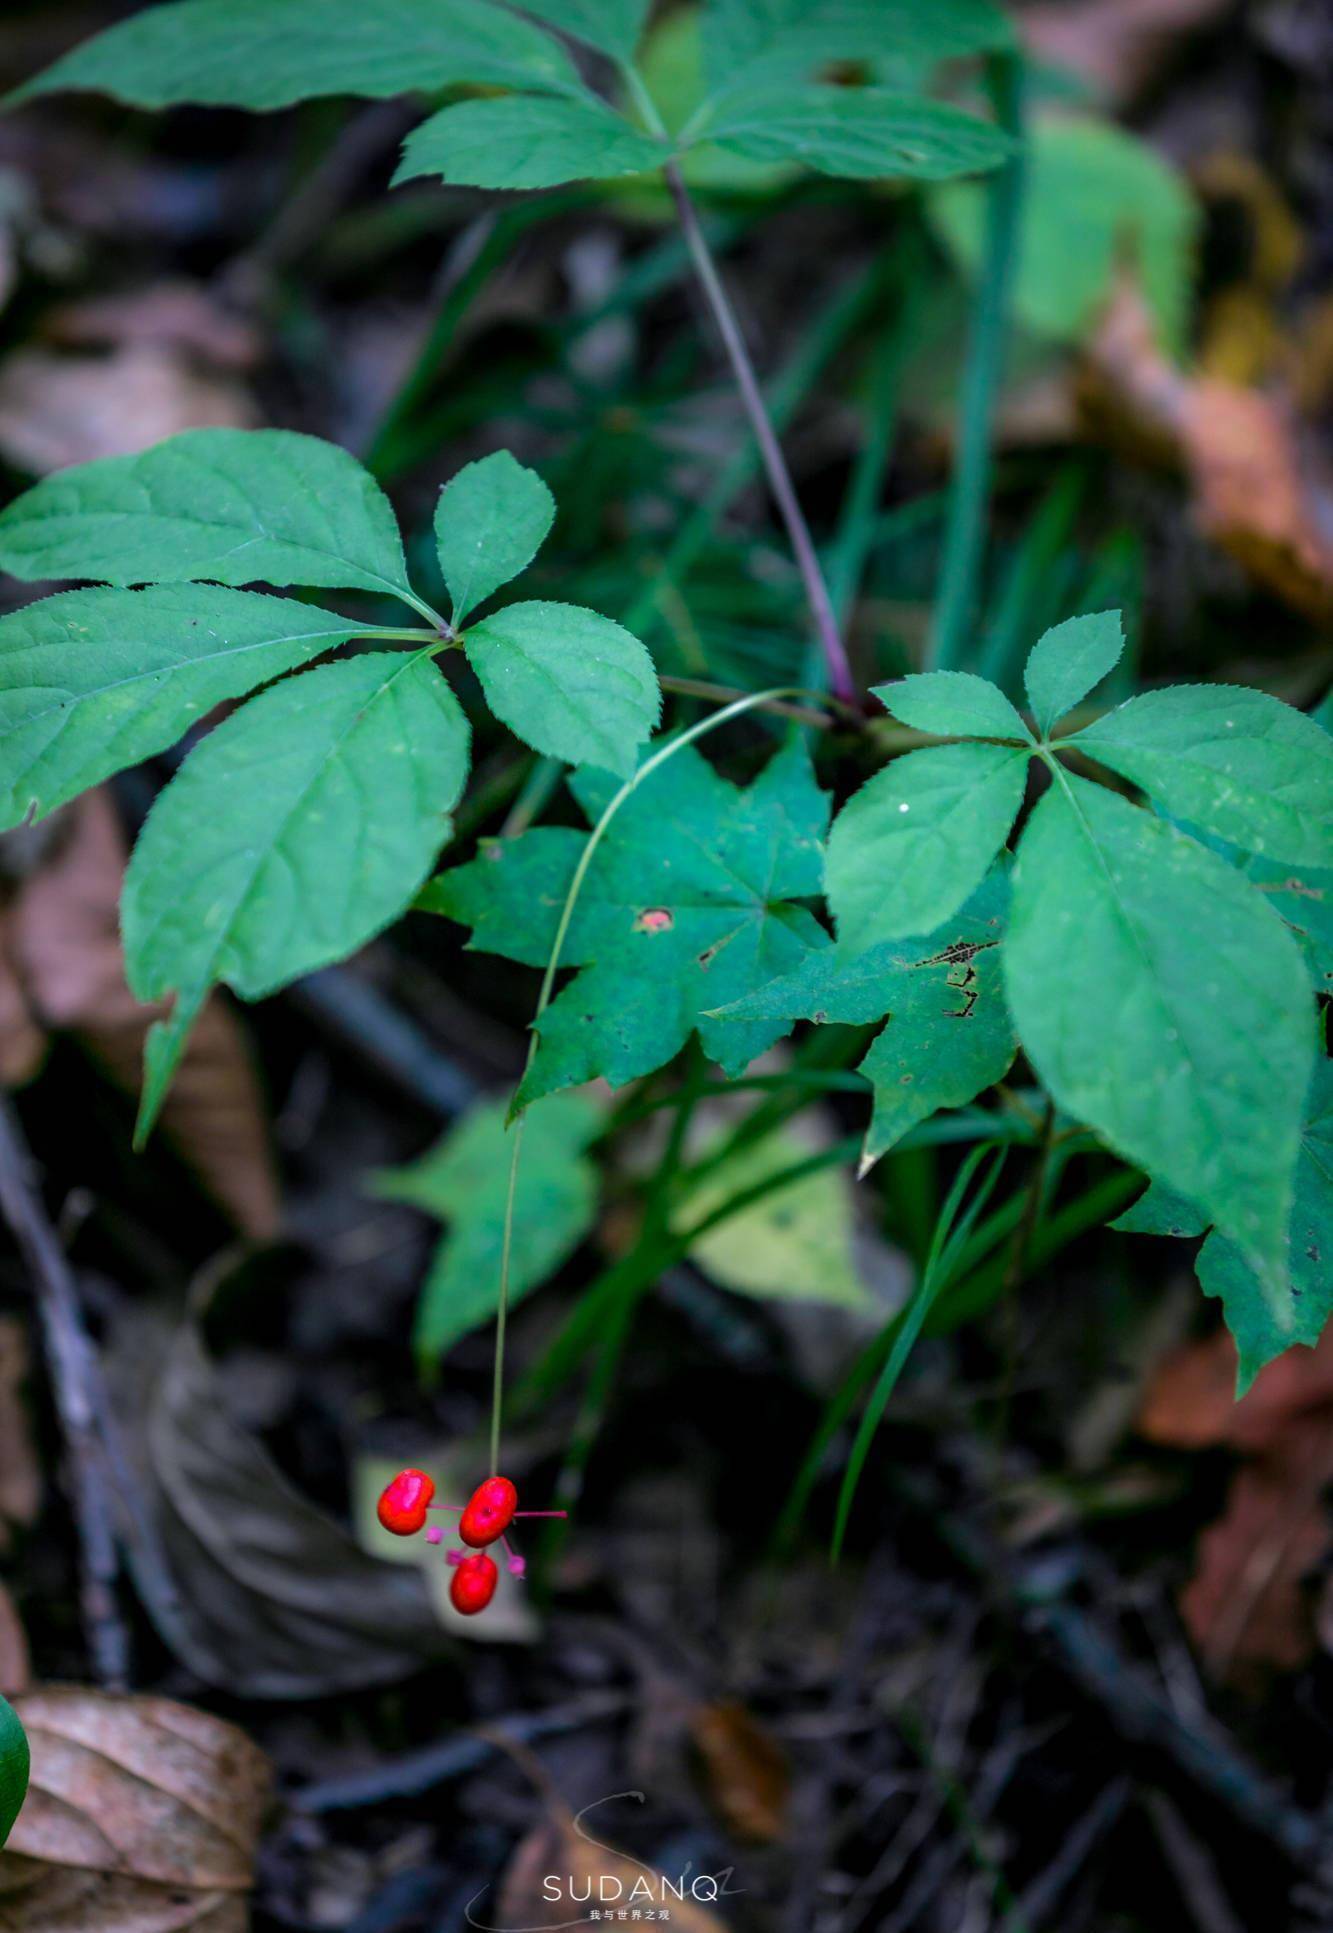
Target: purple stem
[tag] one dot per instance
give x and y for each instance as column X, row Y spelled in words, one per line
column 775, row 464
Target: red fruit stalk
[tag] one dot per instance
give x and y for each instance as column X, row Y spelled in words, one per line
column 483, row 1519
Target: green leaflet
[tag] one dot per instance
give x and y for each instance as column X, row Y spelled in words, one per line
column 1161, row 1211
column 527, row 141
column 909, row 848
column 952, row 704
column 613, row 25
column 295, row 831
column 796, row 1244
column 949, row 1035
column 14, row 1766
column 689, row 902
column 746, row 41
column 568, row 681
column 93, row 681
column 491, row 520
column 1222, row 1268
column 1162, row 1002
column 866, row 133
column 269, row 53
column 1068, row 662
column 236, row 506
column 464, row 1180
column 1238, row 763
column 1304, row 898
column 1095, row 197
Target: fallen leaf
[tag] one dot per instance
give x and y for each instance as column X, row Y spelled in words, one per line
column 276, row 1600
column 141, row 1817
column 1253, row 492
column 745, row 1770
column 62, row 971
column 1117, row 46
column 1246, row 1605
column 15, row 1661
column 56, row 410
column 561, row 1873
column 183, row 316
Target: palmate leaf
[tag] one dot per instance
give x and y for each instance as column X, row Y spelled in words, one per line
column 269, row 53
column 296, row 830
column 747, row 41
column 1222, row 1268
column 464, row 1180
column 949, row 1035
column 1162, row 1001
column 233, row 506
column 909, row 848
column 93, row 681
column 1237, row 763
column 866, row 133
column 691, row 900
column 491, row 520
column 527, row 141
column 571, row 683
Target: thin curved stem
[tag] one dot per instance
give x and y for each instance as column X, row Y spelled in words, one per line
column 825, row 618
column 751, row 702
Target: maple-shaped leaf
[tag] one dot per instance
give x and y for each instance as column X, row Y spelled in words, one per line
column 949, row 1035
column 691, row 901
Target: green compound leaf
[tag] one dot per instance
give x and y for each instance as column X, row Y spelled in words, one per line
column 949, row 1035
column 490, row 522
column 1222, row 1268
column 296, row 830
column 689, row 902
column 568, row 681
column 865, row 133
column 1162, row 1001
column 464, row 1180
column 1304, row 899
column 953, row 704
column 615, row 26
column 269, row 53
column 1236, row 762
column 93, row 681
column 1095, row 198
column 527, row 141
column 748, row 41
column 917, row 840
column 14, row 1766
column 235, row 506
column 1068, row 662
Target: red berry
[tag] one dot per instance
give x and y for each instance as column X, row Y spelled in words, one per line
column 473, row 1584
column 489, row 1513
column 402, row 1504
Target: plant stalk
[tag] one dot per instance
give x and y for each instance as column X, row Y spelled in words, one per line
column 841, row 683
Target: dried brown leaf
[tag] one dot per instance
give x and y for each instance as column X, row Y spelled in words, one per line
column 1116, row 45
column 15, row 1661
column 20, row 1471
column 1253, row 492
column 276, row 1600
column 62, row 970
column 560, row 1873
column 56, row 409
column 745, row 1770
column 183, row 316
column 141, row 1817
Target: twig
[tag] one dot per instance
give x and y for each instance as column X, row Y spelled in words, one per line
column 354, row 1012
column 840, row 678
column 418, row 1772
column 71, row 1362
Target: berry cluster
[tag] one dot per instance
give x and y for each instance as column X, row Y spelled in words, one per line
column 482, row 1520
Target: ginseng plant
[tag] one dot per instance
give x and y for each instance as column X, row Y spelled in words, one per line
column 1089, row 888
